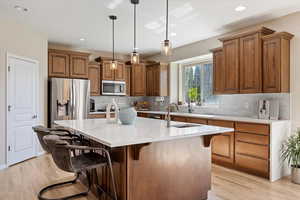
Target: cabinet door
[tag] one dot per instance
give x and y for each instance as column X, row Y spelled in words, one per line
column 107, row 73
column 120, row 72
column 231, row 66
column 164, row 75
column 127, row 80
column 94, row 77
column 156, row 81
column 78, row 66
column 250, row 64
column 58, row 65
column 138, row 78
column 223, row 145
column 219, row 72
column 150, row 81
column 271, row 65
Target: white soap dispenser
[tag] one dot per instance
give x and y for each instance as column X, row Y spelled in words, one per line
column 108, row 109
column 114, row 103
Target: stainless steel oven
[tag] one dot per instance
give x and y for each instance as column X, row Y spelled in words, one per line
column 117, row 88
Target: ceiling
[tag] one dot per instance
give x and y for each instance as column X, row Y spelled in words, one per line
column 66, row 21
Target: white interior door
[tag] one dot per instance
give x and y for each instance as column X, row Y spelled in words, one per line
column 22, row 109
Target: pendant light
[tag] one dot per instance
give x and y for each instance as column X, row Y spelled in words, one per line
column 135, row 57
column 114, row 63
column 166, row 46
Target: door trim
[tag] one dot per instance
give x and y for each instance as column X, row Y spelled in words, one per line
column 10, row 55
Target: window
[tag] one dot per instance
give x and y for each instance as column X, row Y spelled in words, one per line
column 197, row 83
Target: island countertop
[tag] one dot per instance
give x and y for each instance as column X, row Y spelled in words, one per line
column 142, row 131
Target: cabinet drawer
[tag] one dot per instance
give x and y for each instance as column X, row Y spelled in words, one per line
column 142, row 115
column 259, row 151
column 254, row 165
column 253, row 128
column 227, row 124
column 196, row 120
column 178, row 119
column 95, row 116
column 252, row 138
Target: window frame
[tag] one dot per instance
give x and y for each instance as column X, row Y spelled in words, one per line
column 181, row 78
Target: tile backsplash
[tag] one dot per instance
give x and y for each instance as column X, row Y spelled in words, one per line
column 245, row 105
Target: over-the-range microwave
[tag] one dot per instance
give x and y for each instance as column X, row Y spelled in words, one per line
column 114, row 88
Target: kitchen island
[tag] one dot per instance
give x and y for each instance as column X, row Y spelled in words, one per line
column 152, row 161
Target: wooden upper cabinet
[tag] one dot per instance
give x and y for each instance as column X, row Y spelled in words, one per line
column 78, row 66
column 128, row 79
column 276, row 62
column 250, row 64
column 157, row 79
column 218, row 70
column 138, row 80
column 94, row 77
column 67, row 64
column 120, row 72
column 58, row 64
column 231, row 66
column 106, row 72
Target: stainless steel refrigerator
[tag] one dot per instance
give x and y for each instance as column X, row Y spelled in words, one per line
column 68, row 99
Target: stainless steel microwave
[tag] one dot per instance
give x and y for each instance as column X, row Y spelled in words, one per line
column 117, row 88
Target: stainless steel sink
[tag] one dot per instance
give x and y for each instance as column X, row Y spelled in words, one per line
column 184, row 125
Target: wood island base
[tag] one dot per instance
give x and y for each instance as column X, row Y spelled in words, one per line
column 169, row 170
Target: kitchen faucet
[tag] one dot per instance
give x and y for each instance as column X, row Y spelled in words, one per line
column 168, row 117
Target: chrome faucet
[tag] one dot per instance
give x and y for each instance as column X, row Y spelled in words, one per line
column 168, row 116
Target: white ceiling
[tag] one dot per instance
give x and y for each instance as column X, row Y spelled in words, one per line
column 66, row 21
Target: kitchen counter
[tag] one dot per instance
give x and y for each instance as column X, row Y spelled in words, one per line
column 150, row 158
column 218, row 117
column 143, row 131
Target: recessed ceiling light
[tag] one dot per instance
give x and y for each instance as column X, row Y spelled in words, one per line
column 240, row 8
column 82, row 39
column 173, row 34
column 20, row 8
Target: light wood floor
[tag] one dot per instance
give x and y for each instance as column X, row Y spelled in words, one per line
column 24, row 180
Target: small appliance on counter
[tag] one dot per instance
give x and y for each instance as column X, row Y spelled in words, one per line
column 268, row 109
column 92, row 105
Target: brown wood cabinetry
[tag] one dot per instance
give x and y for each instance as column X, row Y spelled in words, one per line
column 138, row 80
column 58, row 64
column 106, row 72
column 94, row 77
column 223, row 145
column 78, row 66
column 157, row 79
column 253, row 62
column 276, row 62
column 252, row 148
column 231, row 66
column 120, row 72
column 218, row 70
column 67, row 64
column 128, row 79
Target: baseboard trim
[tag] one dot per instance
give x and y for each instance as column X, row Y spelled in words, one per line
column 3, row 166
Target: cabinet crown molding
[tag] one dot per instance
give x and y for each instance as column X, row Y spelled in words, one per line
column 263, row 30
column 282, row 35
column 216, row 49
column 68, row 52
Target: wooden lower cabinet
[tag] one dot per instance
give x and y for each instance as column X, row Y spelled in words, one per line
column 179, row 118
column 223, row 145
column 97, row 116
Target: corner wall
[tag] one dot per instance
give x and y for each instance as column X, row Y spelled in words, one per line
column 21, row 40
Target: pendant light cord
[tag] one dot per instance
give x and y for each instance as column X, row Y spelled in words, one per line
column 134, row 35
column 113, row 30
column 167, row 20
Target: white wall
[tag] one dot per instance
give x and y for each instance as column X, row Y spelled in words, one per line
column 21, row 40
column 289, row 23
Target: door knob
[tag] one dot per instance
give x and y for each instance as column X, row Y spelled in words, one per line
column 34, row 116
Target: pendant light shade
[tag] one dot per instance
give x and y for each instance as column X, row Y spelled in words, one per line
column 114, row 63
column 135, row 56
column 166, row 45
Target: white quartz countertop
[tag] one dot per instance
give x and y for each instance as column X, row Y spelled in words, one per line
column 218, row 117
column 144, row 130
